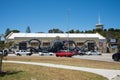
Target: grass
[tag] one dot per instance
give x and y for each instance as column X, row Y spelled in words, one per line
column 31, row 72
column 67, row 61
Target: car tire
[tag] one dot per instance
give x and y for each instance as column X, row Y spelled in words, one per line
column 57, row 56
column 42, row 54
column 116, row 58
column 18, row 55
column 50, row 54
column 28, row 54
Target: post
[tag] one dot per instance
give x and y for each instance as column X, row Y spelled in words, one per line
column 1, row 57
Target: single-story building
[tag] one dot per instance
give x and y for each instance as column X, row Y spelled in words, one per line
column 90, row 40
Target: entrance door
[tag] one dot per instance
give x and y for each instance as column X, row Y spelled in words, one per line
column 91, row 46
column 22, row 46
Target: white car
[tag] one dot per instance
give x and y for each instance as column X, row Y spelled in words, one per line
column 23, row 52
column 93, row 53
column 46, row 53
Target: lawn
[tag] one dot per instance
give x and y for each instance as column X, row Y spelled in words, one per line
column 31, row 72
column 67, row 61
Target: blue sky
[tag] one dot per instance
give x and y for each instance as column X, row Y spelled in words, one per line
column 42, row 15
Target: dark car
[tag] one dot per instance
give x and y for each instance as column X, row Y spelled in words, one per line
column 116, row 56
column 64, row 53
column 4, row 52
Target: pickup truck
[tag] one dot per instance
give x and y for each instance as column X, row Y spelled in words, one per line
column 23, row 52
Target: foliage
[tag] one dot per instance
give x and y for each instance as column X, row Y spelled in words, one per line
column 55, row 31
column 7, row 45
column 2, row 45
column 8, row 31
column 73, row 31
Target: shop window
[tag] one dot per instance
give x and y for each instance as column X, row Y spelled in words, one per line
column 46, row 44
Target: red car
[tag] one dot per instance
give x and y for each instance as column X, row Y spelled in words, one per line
column 64, row 53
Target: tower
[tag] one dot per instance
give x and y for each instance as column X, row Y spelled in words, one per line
column 99, row 25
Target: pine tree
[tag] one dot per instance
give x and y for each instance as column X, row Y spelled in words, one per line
column 28, row 30
column 7, row 32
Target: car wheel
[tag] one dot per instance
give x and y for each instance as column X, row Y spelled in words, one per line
column 116, row 58
column 18, row 55
column 28, row 54
column 50, row 54
column 42, row 54
column 57, row 56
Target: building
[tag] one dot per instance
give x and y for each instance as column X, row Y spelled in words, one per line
column 99, row 25
column 36, row 40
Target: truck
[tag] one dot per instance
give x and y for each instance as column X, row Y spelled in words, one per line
column 23, row 52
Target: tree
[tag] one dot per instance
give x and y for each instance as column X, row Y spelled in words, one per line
column 28, row 30
column 7, row 32
column 2, row 45
column 9, row 44
column 77, row 31
column 71, row 31
column 1, row 35
column 55, row 31
column 111, row 29
column 15, row 31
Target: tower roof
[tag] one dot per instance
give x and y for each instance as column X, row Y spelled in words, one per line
column 99, row 25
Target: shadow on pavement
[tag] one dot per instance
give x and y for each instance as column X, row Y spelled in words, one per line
column 2, row 74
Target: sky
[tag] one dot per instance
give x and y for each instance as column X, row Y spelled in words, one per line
column 42, row 15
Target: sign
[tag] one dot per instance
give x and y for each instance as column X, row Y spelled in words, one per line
column 102, row 40
column 113, row 40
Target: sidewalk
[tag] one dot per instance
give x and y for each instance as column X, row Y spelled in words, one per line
column 110, row 74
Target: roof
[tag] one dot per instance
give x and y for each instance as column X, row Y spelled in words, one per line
column 73, row 35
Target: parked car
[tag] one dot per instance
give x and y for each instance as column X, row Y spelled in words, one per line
column 81, row 52
column 93, row 53
column 23, row 52
column 46, row 53
column 1, row 52
column 116, row 56
column 64, row 53
column 4, row 52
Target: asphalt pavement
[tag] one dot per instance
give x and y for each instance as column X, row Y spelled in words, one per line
column 104, row 57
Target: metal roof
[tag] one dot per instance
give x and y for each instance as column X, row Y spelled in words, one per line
column 70, row 35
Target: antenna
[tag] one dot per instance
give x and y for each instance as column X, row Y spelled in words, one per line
column 68, row 18
column 99, row 19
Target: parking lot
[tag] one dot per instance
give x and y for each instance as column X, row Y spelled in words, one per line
column 104, row 57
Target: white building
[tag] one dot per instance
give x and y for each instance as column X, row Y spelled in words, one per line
column 46, row 39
